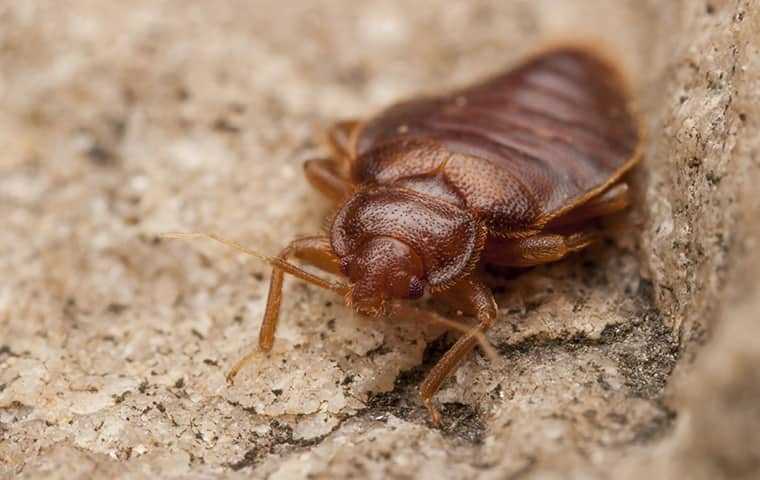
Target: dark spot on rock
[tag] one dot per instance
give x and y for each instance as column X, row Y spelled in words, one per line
column 121, row 397
column 116, row 308
column 618, row 418
column 250, row 459
column 180, row 382
column 497, row 391
column 101, row 156
column 237, row 108
column 132, row 220
column 5, row 350
column 463, row 422
column 380, row 350
column 355, row 76
column 182, row 93
column 277, row 392
column 657, row 427
column 129, row 95
column 225, row 126
column 713, row 178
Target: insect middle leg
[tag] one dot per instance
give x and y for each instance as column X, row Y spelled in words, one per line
column 477, row 299
column 315, row 251
column 536, row 250
column 549, row 247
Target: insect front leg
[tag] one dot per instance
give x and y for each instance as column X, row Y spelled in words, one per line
column 315, row 251
column 477, row 298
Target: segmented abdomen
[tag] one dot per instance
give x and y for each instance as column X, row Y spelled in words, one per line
column 531, row 143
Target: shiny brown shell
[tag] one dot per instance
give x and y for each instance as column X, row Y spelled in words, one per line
column 521, row 148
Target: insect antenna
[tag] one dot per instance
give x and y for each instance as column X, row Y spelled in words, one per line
column 276, row 262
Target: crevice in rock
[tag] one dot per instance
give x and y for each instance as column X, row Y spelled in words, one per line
column 643, row 348
column 459, row 421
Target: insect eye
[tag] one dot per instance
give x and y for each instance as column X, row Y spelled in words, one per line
column 416, row 288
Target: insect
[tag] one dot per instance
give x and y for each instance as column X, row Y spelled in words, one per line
column 509, row 172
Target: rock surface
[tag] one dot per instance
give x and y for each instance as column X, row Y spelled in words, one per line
column 121, row 120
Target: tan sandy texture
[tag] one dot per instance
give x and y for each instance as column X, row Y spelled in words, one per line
column 119, row 120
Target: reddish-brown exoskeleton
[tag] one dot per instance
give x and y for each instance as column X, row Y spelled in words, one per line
column 507, row 172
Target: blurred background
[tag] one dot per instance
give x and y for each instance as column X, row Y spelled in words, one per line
column 123, row 120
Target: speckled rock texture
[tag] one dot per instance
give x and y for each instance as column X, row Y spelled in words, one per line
column 638, row 358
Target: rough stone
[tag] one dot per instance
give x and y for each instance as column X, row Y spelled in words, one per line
column 123, row 120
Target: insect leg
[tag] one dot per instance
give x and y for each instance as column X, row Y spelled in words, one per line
column 323, row 175
column 536, row 250
column 313, row 250
column 612, row 201
column 331, row 175
column 481, row 302
column 340, row 138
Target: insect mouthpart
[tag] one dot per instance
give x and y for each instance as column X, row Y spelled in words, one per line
column 381, row 269
column 372, row 305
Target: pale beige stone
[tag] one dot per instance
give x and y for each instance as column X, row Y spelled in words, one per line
column 121, row 120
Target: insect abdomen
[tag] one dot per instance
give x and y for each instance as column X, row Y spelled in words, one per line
column 521, row 147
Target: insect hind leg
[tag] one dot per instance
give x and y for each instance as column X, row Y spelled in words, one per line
column 538, row 249
column 479, row 301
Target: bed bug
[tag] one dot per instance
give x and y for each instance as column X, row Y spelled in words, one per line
column 510, row 172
